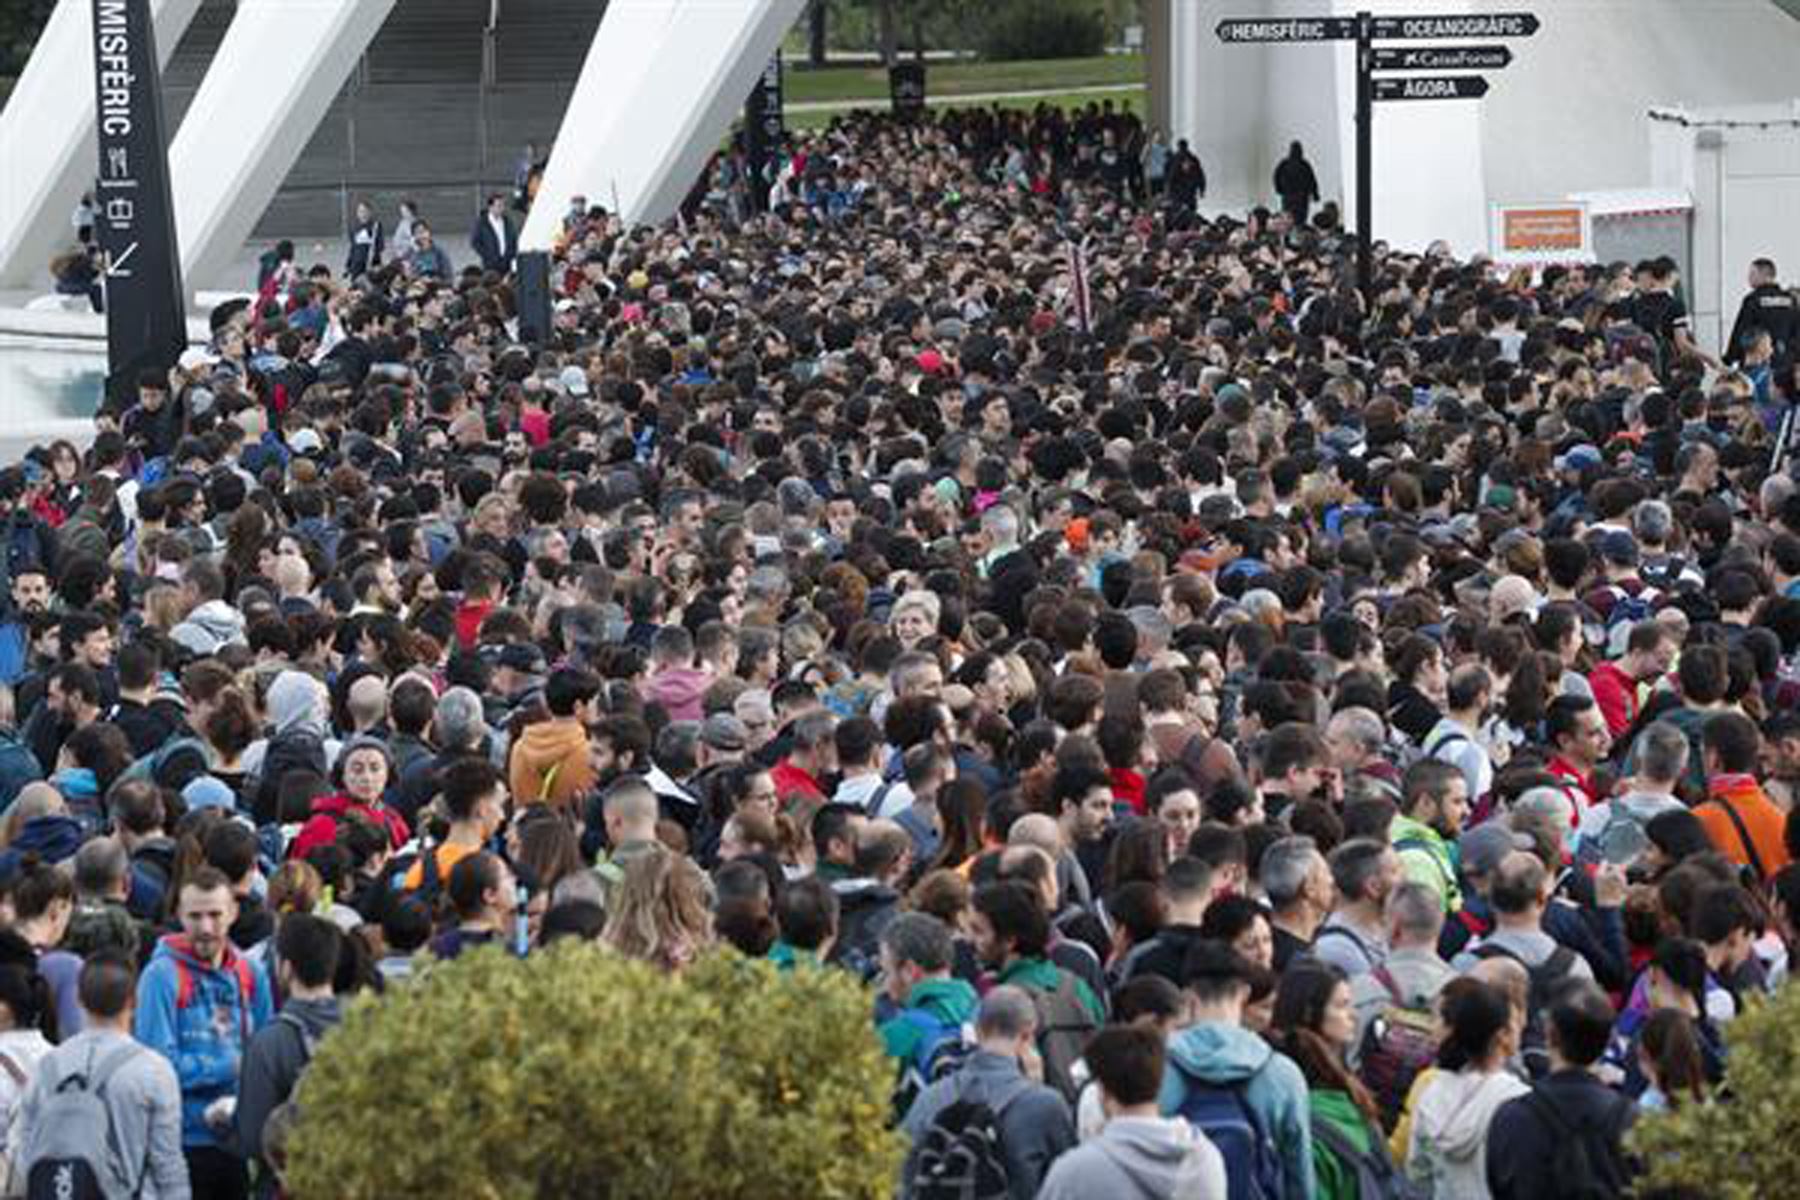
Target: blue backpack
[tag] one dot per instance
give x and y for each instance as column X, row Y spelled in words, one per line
column 1626, row 611
column 942, row 1049
column 1222, row 1112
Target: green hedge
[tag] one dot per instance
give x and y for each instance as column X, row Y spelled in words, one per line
column 1744, row 1147
column 579, row 1073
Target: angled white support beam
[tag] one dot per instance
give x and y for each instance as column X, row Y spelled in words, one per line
column 277, row 71
column 658, row 91
column 47, row 148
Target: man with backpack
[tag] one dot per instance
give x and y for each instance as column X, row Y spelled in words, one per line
column 990, row 1130
column 1456, row 739
column 1140, row 1154
column 1650, row 650
column 1249, row 1100
column 1395, row 1003
column 199, row 1002
column 1434, row 802
column 1564, row 1140
column 1519, row 893
column 1011, row 931
column 926, row 1034
column 120, row 1127
column 307, row 950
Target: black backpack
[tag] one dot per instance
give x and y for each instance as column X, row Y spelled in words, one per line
column 1545, row 977
column 295, row 750
column 1377, row 1178
column 960, row 1156
column 1571, row 1165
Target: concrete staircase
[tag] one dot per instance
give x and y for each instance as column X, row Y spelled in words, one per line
column 439, row 110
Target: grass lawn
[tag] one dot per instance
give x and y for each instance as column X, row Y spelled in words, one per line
column 861, row 82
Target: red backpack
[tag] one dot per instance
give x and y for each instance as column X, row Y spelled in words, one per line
column 1399, row 1043
column 187, row 987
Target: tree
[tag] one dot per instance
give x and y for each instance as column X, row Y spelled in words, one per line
column 887, row 24
column 576, row 1072
column 21, row 21
column 1744, row 1147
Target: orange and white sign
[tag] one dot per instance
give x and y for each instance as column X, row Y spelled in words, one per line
column 1541, row 233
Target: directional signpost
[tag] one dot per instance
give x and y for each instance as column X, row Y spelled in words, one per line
column 1320, row 29
column 1442, row 58
column 1431, row 87
column 1365, row 29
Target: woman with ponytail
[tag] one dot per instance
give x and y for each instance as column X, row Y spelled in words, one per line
column 1447, row 1144
column 1672, row 1056
column 1315, row 1025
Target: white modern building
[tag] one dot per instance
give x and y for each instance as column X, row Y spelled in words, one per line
column 1571, row 113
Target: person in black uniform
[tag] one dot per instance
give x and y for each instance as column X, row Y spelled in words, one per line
column 1768, row 306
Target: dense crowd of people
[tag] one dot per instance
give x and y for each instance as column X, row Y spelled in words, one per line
column 1257, row 740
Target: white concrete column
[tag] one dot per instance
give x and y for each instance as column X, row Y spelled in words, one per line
column 47, row 131
column 277, row 71
column 658, row 91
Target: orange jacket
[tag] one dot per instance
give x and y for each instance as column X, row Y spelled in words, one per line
column 1759, row 817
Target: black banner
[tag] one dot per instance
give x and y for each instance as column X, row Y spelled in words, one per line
column 764, row 131
column 134, row 221
column 906, row 83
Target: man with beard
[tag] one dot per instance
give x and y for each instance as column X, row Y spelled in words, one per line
column 29, row 595
column 1084, row 805
column 1433, row 804
column 198, row 1003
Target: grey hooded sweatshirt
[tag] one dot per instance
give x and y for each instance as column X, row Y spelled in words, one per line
column 210, row 628
column 1140, row 1158
column 1447, row 1146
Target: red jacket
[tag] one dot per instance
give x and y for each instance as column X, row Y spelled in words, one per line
column 1615, row 692
column 1579, row 787
column 469, row 616
column 793, row 782
column 1128, row 788
column 321, row 828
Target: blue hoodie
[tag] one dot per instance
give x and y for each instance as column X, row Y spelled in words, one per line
column 1217, row 1053
column 205, row 1040
column 53, row 838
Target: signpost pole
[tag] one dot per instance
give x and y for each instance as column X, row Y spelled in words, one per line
column 146, row 317
column 1365, row 155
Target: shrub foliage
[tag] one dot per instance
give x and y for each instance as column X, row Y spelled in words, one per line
column 1025, row 29
column 579, row 1073
column 1746, row 1147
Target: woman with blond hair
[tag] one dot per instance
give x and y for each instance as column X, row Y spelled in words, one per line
column 914, row 618
column 662, row 913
